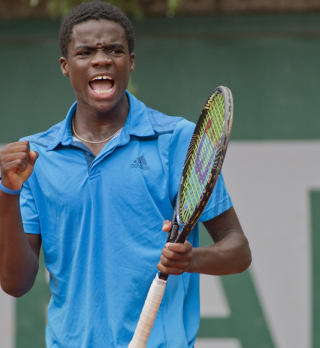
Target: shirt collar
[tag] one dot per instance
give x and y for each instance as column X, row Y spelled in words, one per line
column 137, row 123
column 138, row 119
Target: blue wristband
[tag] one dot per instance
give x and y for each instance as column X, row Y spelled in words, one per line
column 8, row 191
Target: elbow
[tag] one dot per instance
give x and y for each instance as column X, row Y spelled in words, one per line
column 244, row 258
column 244, row 264
column 14, row 289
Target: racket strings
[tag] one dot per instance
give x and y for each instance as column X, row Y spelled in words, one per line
column 202, row 154
column 192, row 146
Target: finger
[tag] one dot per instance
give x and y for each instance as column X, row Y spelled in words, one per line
column 14, row 163
column 18, row 153
column 16, row 167
column 172, row 254
column 169, row 270
column 12, row 154
column 10, row 173
column 166, row 226
column 19, row 161
column 21, row 146
column 7, row 159
column 182, row 264
column 179, row 247
column 33, row 156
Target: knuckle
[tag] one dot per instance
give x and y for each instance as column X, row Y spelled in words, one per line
column 184, row 249
column 164, row 252
column 164, row 260
column 162, row 269
column 3, row 160
column 3, row 152
column 172, row 255
column 180, row 265
column 4, row 169
column 20, row 163
column 185, row 264
column 10, row 145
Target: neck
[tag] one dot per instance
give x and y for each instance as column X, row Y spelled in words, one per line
column 94, row 125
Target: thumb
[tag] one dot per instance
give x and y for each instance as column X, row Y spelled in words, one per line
column 33, row 155
column 24, row 176
column 166, row 226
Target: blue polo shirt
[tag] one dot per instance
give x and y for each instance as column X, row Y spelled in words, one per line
column 100, row 220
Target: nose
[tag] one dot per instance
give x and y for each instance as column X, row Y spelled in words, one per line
column 101, row 59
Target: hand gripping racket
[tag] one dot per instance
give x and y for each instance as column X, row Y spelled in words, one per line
column 200, row 173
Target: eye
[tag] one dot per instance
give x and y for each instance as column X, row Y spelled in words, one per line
column 116, row 51
column 83, row 53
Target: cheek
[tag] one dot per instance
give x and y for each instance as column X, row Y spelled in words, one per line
column 76, row 81
column 72, row 81
column 126, row 72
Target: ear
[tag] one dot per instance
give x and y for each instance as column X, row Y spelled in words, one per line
column 132, row 56
column 64, row 66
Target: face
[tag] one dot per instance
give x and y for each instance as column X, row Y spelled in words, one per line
column 98, row 65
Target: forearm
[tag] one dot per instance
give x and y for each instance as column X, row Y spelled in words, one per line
column 18, row 263
column 227, row 256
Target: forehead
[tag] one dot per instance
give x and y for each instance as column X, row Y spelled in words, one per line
column 97, row 31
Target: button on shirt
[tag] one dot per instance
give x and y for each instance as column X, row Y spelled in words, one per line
column 100, row 220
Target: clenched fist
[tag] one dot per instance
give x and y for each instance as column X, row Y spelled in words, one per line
column 17, row 163
column 176, row 258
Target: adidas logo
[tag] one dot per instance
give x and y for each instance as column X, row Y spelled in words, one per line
column 141, row 163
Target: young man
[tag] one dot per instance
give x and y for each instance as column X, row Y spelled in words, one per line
column 95, row 190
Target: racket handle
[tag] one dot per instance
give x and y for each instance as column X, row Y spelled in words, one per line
column 149, row 313
column 173, row 233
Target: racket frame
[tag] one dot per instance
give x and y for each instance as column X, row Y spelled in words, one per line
column 215, row 171
column 157, row 288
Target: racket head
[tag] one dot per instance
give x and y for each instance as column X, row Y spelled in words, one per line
column 204, row 159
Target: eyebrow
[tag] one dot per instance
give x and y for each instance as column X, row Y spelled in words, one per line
column 111, row 46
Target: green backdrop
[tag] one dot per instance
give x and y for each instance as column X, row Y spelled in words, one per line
column 271, row 64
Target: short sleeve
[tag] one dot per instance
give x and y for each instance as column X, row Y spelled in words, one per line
column 220, row 200
column 29, row 211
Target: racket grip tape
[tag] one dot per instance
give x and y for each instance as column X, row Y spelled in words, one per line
column 149, row 313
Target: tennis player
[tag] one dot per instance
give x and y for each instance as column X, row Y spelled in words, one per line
column 97, row 191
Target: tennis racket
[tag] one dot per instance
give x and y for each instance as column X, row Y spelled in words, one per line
column 200, row 173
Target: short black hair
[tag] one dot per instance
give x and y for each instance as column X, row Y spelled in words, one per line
column 93, row 10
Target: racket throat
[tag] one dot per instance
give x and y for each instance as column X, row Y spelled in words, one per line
column 172, row 236
column 173, row 233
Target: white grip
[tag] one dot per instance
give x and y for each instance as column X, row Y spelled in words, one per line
column 149, row 313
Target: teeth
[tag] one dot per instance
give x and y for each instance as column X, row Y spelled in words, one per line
column 102, row 77
column 102, row 92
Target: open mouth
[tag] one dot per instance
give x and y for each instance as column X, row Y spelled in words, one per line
column 102, row 84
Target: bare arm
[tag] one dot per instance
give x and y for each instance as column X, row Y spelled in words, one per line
column 19, row 253
column 229, row 254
